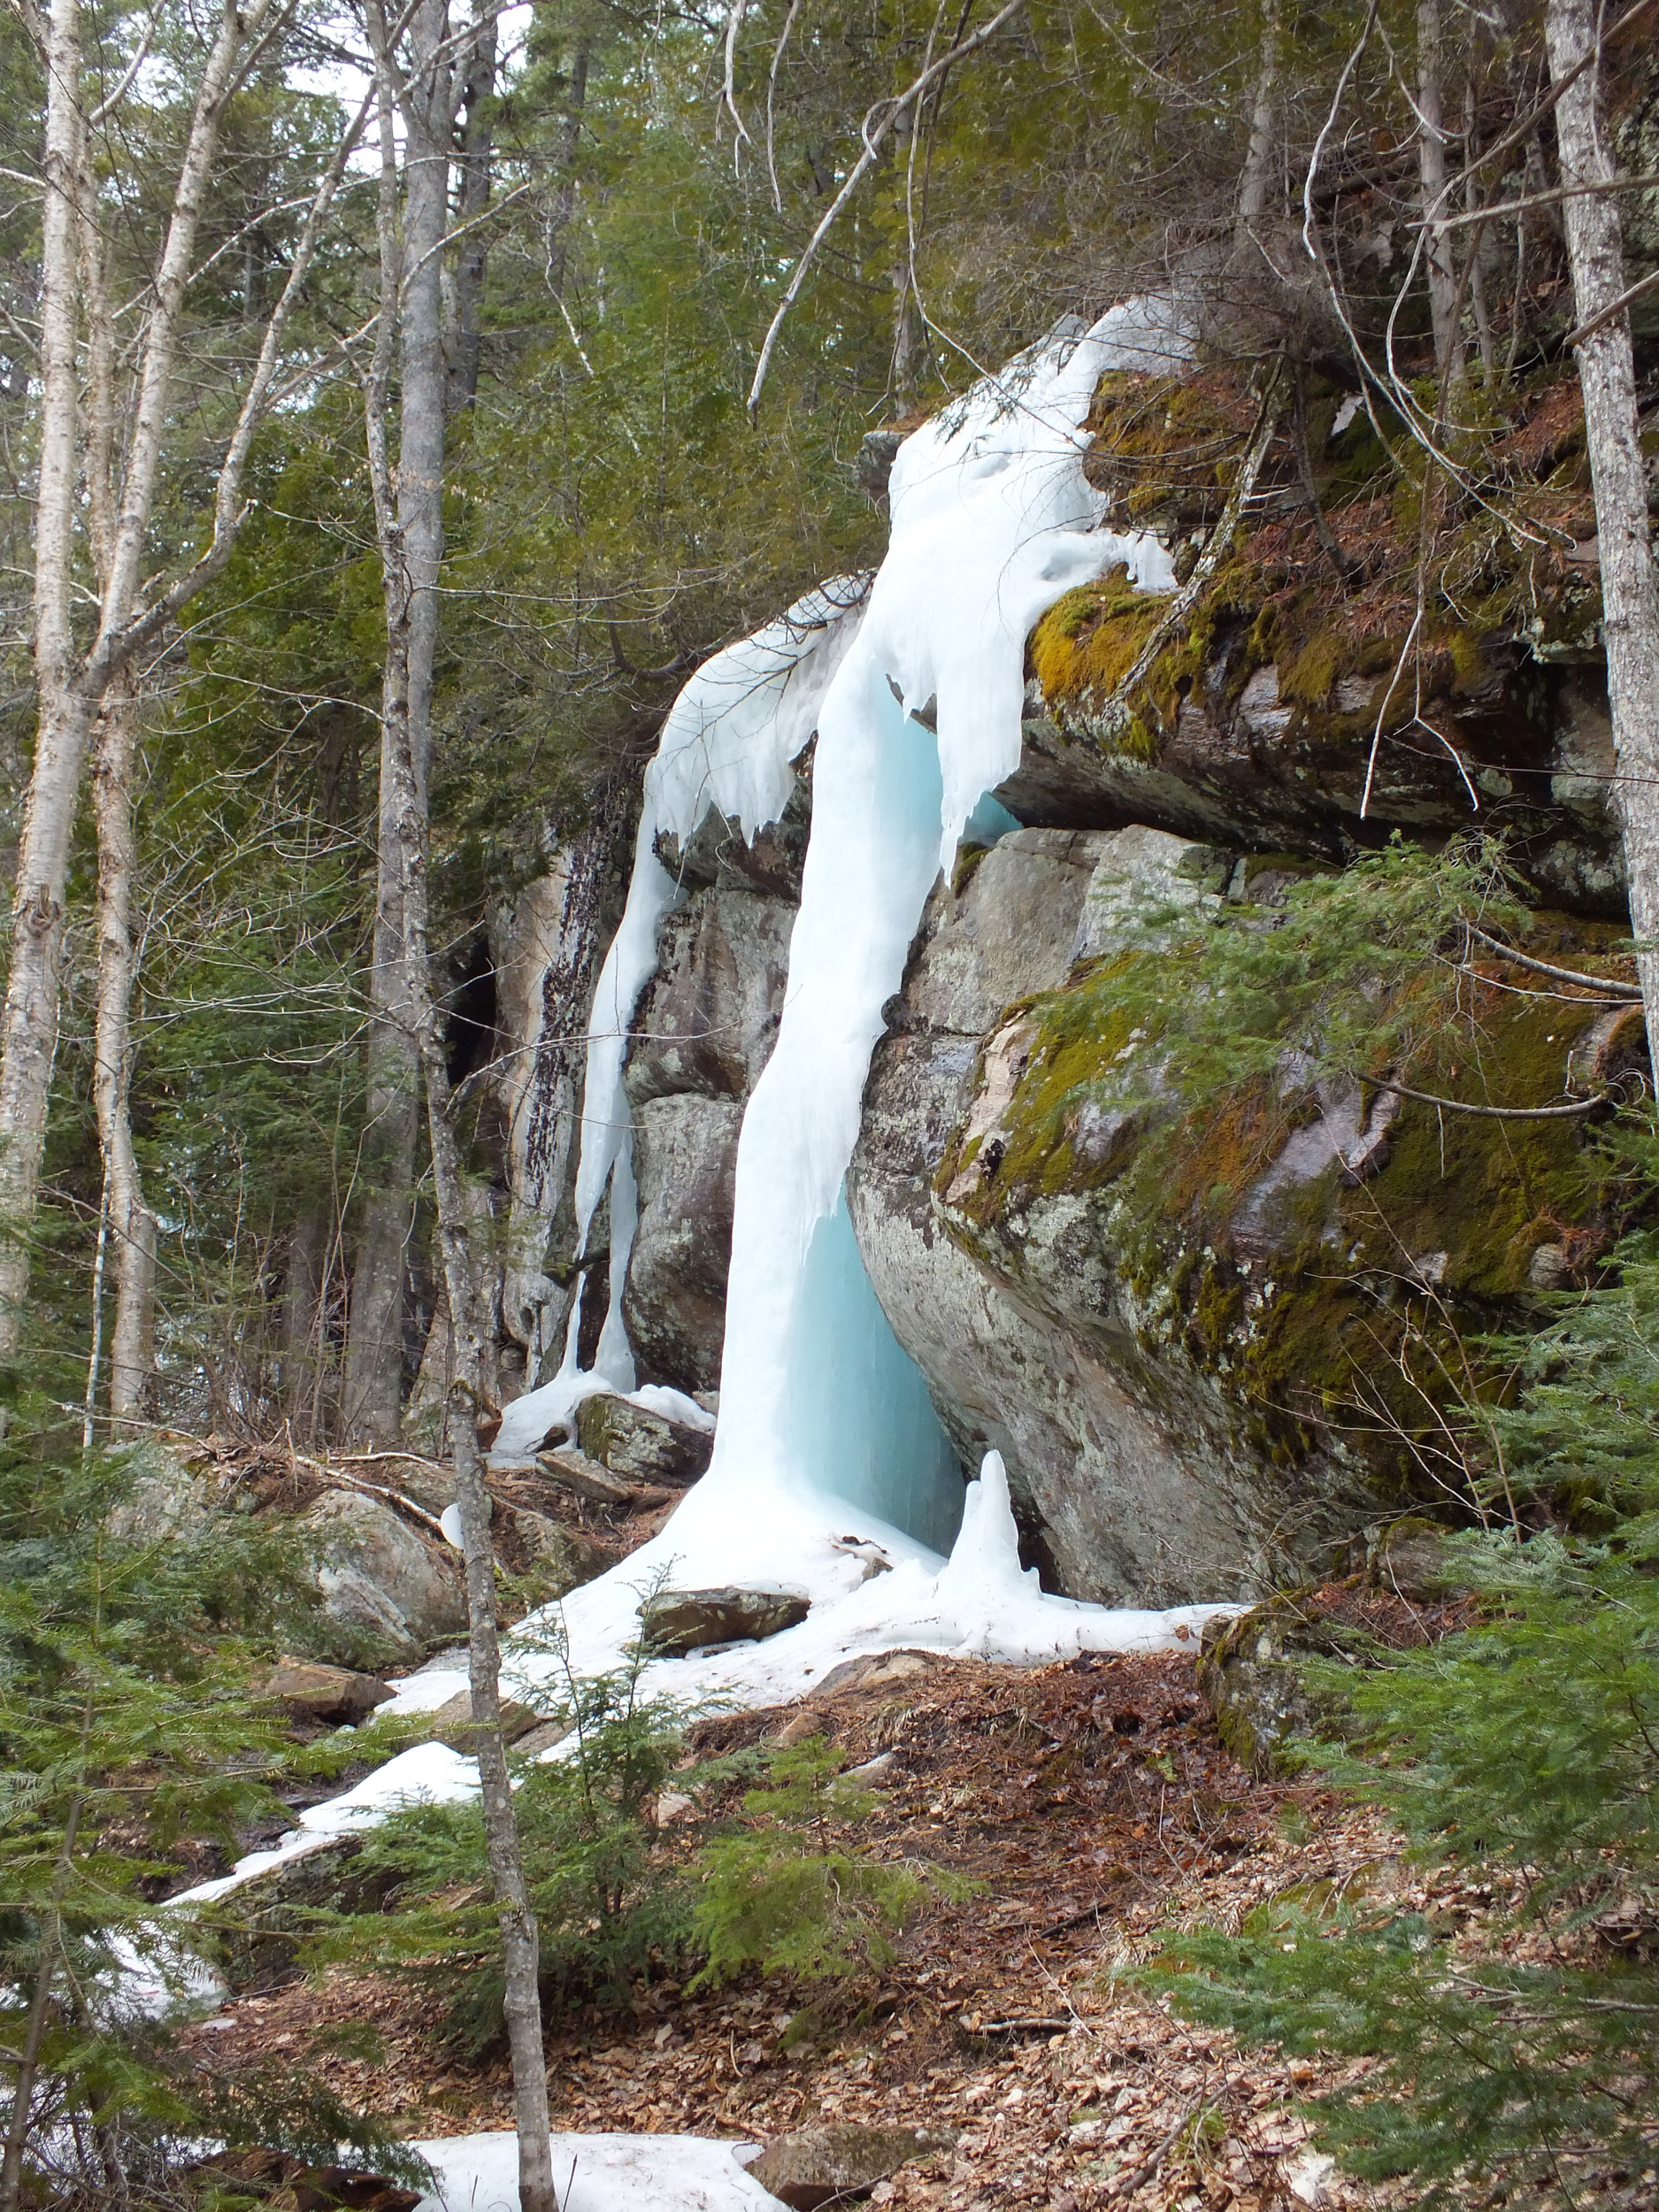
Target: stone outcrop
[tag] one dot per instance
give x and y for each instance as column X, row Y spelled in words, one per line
column 378, row 1577
column 704, row 1029
column 1170, row 1322
column 675, row 1621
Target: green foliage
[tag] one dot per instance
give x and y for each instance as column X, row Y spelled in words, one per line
column 126, row 1731
column 786, row 1897
column 1523, row 1753
column 607, row 1901
column 1351, row 973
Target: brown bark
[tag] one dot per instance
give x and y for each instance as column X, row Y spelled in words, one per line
column 466, row 283
column 1630, row 590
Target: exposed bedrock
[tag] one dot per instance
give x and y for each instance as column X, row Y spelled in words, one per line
column 1181, row 1330
column 704, row 1029
column 1246, row 761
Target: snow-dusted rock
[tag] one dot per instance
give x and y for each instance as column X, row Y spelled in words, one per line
column 640, row 1444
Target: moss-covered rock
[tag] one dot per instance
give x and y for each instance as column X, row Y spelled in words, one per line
column 1212, row 1343
column 1253, row 1675
column 1297, row 706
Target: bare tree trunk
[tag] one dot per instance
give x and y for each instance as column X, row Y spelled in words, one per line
column 71, row 685
column 1258, row 161
column 132, row 1224
column 1630, row 590
column 375, row 1349
column 31, row 1008
column 563, row 207
column 466, row 283
column 302, row 1327
column 405, row 780
column 1431, row 172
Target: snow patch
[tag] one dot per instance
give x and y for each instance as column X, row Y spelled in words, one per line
column 596, row 2173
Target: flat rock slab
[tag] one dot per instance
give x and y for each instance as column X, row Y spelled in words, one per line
column 329, row 1694
column 451, row 1723
column 679, row 1621
column 836, row 2164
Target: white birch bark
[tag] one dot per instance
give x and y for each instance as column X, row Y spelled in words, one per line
column 132, row 1226
column 1630, row 590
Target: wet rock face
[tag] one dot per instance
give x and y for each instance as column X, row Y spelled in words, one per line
column 1179, row 1327
column 705, row 1028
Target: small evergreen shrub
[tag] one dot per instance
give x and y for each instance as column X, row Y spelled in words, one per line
column 786, row 1896
column 608, row 1902
column 126, row 1731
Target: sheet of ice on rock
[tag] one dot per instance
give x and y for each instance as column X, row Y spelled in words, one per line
column 826, row 1432
column 596, row 2173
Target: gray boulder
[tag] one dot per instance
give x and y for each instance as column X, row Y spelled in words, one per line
column 642, row 1445
column 378, row 1576
column 840, row 2162
column 561, row 1559
column 678, row 1620
column 1253, row 1675
column 167, row 1498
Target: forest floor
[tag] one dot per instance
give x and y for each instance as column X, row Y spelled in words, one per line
column 1094, row 1806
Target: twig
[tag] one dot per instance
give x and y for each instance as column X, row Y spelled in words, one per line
column 1489, row 1113
column 1630, row 993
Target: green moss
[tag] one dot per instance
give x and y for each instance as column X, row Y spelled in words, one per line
column 1314, row 1325
column 1087, row 642
column 968, row 858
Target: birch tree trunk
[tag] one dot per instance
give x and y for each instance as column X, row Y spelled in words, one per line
column 1607, row 371
column 30, row 1040
column 71, row 685
column 375, row 1344
column 1258, row 161
column 404, row 787
column 132, row 1226
column 1432, row 172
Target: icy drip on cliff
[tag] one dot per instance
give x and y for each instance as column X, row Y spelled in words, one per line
column 992, row 521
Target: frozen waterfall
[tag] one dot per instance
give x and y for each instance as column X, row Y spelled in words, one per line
column 828, row 1451
column 826, row 1429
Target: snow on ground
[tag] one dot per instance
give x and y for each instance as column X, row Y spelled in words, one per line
column 596, row 2173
